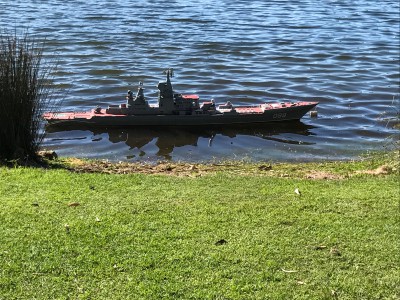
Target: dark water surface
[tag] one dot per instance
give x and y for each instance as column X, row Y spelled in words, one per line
column 344, row 54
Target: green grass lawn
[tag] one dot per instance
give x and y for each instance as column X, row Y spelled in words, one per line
column 217, row 236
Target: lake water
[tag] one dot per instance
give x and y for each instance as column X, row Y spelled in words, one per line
column 344, row 54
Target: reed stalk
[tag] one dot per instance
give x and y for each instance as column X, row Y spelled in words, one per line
column 25, row 93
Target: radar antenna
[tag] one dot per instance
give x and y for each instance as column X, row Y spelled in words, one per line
column 169, row 72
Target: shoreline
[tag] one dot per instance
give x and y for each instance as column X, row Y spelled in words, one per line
column 373, row 163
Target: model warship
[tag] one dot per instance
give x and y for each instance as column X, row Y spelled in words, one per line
column 174, row 109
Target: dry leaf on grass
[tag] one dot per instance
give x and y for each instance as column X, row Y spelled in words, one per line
column 220, row 242
column 288, row 271
column 334, row 251
column 320, row 247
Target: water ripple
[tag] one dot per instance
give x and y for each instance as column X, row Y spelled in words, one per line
column 343, row 54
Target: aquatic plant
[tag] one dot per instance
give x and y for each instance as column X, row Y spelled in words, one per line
column 25, row 92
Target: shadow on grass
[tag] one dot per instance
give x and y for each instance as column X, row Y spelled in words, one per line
column 38, row 161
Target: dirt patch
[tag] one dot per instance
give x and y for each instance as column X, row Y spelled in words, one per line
column 323, row 175
column 192, row 170
column 165, row 168
column 382, row 170
column 299, row 171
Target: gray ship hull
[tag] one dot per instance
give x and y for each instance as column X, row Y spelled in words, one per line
column 274, row 115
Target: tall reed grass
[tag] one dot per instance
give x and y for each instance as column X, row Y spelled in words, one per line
column 25, row 93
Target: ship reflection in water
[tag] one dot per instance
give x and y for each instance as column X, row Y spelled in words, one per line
column 165, row 141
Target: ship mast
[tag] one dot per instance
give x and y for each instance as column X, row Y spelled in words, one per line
column 166, row 92
column 170, row 73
